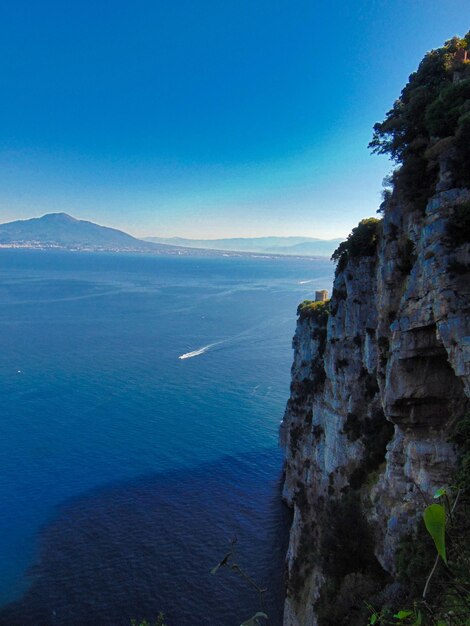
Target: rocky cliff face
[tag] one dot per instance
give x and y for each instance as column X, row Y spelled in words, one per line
column 375, row 392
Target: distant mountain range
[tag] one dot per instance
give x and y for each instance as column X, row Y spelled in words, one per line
column 298, row 246
column 59, row 230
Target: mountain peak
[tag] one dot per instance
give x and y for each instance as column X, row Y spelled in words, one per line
column 64, row 217
column 63, row 230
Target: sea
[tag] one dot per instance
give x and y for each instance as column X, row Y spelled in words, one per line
column 140, row 402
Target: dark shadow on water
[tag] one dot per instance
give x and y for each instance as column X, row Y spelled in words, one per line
column 136, row 548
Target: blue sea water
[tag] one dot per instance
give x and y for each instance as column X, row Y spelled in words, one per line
column 125, row 470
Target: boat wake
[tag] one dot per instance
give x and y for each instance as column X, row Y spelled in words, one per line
column 198, row 352
column 252, row 334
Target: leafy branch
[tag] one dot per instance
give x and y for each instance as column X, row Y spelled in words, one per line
column 454, row 609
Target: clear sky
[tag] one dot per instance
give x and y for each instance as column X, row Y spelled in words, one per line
column 205, row 118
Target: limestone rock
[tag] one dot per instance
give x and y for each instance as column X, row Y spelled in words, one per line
column 373, row 398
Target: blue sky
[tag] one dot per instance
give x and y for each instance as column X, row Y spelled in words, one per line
column 205, row 118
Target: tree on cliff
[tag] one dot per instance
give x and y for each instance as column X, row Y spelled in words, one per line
column 431, row 118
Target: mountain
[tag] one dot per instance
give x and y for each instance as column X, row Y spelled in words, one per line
column 60, row 230
column 298, row 246
column 64, row 231
column 314, row 247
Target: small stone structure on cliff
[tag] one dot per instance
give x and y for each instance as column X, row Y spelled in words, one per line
column 321, row 296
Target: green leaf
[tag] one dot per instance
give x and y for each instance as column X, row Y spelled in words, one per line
column 374, row 618
column 254, row 621
column 403, row 614
column 439, row 493
column 435, row 520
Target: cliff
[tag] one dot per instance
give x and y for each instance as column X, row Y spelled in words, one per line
column 379, row 382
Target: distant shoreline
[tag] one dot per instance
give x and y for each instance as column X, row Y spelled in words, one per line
column 176, row 252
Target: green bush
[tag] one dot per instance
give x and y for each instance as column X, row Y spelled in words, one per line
column 438, row 593
column 343, row 553
column 462, row 147
column 360, row 243
column 443, row 114
column 317, row 311
column 431, row 107
column 461, row 438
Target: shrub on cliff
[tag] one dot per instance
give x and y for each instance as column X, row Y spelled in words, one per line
column 434, row 105
column 437, row 585
column 317, row 311
column 361, row 242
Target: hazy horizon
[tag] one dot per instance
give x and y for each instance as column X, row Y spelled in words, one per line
column 157, row 236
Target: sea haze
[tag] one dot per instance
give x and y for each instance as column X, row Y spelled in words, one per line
column 125, row 469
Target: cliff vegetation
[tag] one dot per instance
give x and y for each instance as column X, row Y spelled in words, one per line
column 376, row 429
